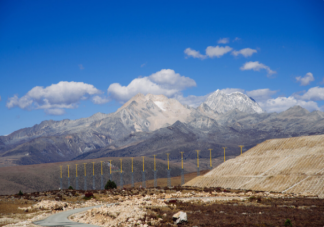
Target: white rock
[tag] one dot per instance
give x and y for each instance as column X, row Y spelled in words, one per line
column 180, row 217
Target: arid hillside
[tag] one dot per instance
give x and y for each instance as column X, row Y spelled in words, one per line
column 292, row 165
column 43, row 177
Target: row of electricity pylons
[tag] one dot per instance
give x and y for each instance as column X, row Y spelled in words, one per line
column 132, row 173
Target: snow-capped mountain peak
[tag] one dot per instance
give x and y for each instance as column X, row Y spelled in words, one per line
column 221, row 102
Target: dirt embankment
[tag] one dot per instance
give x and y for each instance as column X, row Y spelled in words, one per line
column 291, row 165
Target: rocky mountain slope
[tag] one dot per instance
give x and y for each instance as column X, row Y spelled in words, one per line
column 154, row 124
column 221, row 102
column 31, row 178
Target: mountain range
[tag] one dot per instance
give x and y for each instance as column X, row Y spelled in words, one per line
column 154, row 124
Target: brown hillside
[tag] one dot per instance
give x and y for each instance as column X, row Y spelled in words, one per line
column 42, row 177
column 292, row 165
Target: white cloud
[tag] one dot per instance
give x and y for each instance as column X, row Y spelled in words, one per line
column 314, row 93
column 100, row 100
column 306, row 79
column 142, row 65
column 223, row 41
column 23, row 102
column 56, row 96
column 236, row 39
column 217, row 51
column 256, row 66
column 193, row 53
column 165, row 82
column 138, row 85
column 260, row 95
column 54, row 111
column 283, row 103
column 168, row 78
column 246, row 52
column 191, row 100
column 231, row 90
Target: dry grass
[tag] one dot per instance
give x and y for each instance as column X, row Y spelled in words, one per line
column 12, row 207
column 45, row 177
column 163, row 182
column 10, row 212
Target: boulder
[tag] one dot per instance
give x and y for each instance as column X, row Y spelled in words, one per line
column 180, row 217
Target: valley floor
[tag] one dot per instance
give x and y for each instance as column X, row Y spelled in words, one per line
column 156, row 207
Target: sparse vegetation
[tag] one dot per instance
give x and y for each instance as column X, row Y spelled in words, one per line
column 263, row 211
column 70, row 188
column 288, row 222
column 88, row 195
column 110, row 185
column 251, row 198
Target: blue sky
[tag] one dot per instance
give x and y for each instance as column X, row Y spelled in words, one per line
column 72, row 59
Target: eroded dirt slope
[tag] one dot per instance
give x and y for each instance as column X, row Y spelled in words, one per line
column 292, row 165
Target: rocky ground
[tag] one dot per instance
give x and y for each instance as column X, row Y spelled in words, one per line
column 22, row 210
column 162, row 206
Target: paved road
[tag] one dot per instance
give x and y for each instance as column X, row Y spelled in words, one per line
column 61, row 219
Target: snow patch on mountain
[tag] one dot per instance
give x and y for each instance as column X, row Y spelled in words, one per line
column 160, row 105
column 222, row 103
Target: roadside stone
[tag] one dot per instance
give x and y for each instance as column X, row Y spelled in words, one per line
column 180, row 217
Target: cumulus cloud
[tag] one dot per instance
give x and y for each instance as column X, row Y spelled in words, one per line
column 223, row 41
column 168, row 78
column 246, row 52
column 260, row 95
column 100, row 100
column 193, row 53
column 283, row 103
column 306, row 79
column 165, row 81
column 279, row 104
column 217, row 51
column 231, row 90
column 314, row 94
column 256, row 66
column 191, row 100
column 63, row 95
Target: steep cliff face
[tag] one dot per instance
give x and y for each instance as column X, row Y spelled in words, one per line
column 154, row 124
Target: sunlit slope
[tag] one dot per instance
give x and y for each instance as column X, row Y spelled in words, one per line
column 286, row 165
